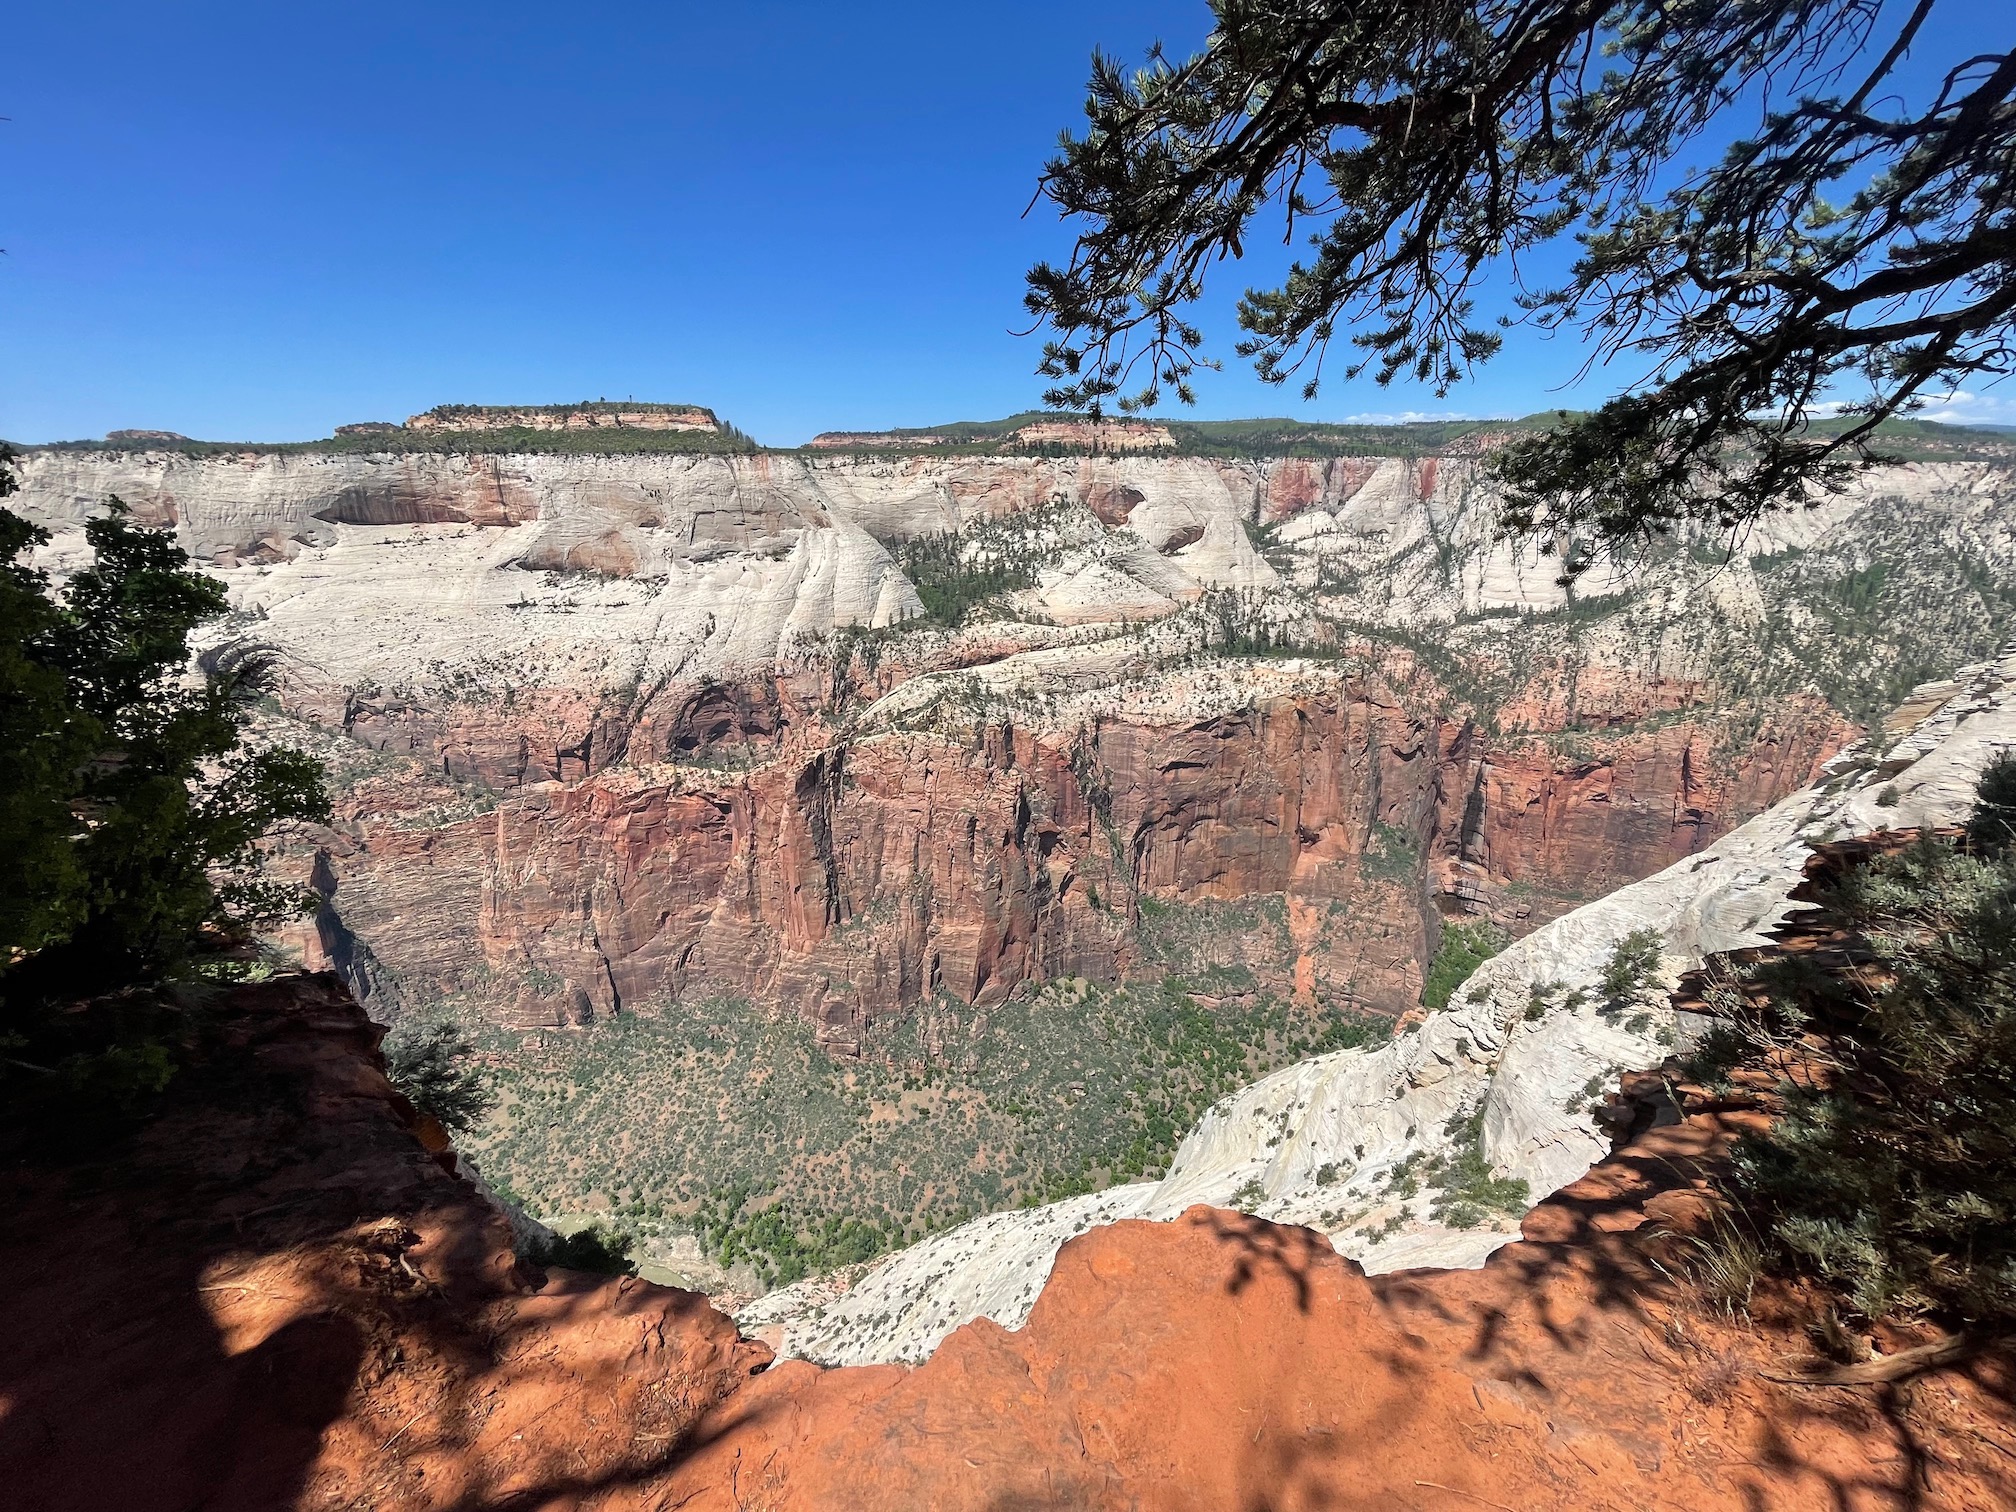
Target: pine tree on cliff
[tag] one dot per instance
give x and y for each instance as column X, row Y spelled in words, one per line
column 1857, row 245
column 132, row 807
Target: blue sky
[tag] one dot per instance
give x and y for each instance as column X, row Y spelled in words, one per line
column 260, row 221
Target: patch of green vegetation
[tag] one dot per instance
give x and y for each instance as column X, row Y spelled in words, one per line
column 130, row 817
column 1863, row 632
column 1466, row 1191
column 1891, row 1182
column 1390, row 855
column 956, row 571
column 1215, row 943
column 1632, row 966
column 951, row 582
column 1594, row 1090
column 1302, row 438
column 596, row 1249
column 1464, row 948
column 713, row 1118
column 431, row 1063
column 1244, row 623
column 600, row 441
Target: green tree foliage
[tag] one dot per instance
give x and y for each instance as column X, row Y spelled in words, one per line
column 430, row 1063
column 952, row 575
column 1632, row 966
column 1892, row 1176
column 1859, row 243
column 1463, row 949
column 132, row 810
column 1992, row 825
column 596, row 1249
column 1242, row 625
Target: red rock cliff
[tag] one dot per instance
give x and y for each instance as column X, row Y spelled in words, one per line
column 846, row 878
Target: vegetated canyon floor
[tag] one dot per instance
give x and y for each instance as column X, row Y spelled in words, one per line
column 712, row 1116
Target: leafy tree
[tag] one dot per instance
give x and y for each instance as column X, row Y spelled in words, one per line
column 602, row 1251
column 430, row 1064
column 133, row 810
column 1464, row 947
column 1855, row 235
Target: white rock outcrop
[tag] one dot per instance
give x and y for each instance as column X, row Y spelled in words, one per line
column 430, row 572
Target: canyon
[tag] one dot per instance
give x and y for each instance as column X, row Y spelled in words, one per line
column 912, row 747
column 1363, row 1145
column 609, row 726
column 323, row 1314
column 1006, row 813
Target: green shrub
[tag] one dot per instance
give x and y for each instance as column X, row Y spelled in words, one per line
column 1390, row 855
column 429, row 1062
column 598, row 1250
column 1464, row 948
column 131, row 809
column 1895, row 1179
column 1467, row 1191
column 1632, row 966
column 1992, row 826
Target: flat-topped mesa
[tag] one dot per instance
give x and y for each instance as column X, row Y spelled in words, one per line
column 601, row 414
column 1097, row 435
column 856, row 440
column 1045, row 433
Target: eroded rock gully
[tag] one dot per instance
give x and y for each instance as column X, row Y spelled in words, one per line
column 272, row 1296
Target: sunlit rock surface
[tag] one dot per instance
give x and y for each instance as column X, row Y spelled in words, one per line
column 1318, row 1143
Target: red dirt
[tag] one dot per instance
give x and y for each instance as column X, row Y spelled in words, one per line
column 273, row 1296
column 1220, row 1361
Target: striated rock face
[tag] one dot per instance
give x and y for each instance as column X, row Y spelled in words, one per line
column 877, row 440
column 564, row 417
column 854, row 878
column 1100, row 436
column 609, row 726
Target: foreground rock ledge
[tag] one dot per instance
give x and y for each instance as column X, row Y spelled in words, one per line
column 274, row 1296
column 1222, row 1361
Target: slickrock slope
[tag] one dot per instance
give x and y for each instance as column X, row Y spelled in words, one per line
column 273, row 1296
column 1515, row 1070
